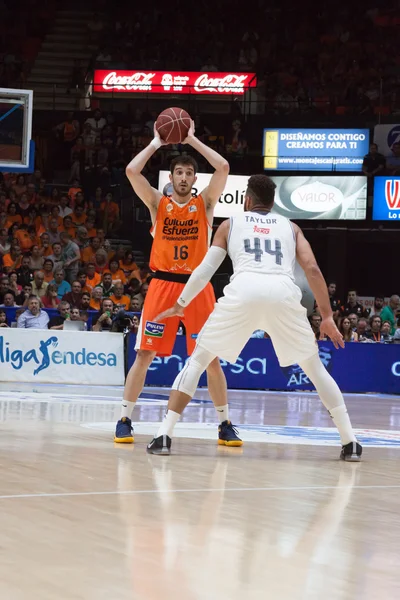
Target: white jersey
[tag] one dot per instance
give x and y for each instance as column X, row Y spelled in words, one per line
column 262, row 243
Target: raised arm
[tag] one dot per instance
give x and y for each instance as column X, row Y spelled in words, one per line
column 308, row 262
column 202, row 274
column 217, row 183
column 149, row 195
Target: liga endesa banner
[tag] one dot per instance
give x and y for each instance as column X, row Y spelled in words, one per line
column 172, row 82
column 336, row 197
column 385, row 136
column 45, row 356
column 356, row 368
column 315, row 149
column 386, row 200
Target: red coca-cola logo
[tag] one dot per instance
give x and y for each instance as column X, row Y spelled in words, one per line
column 164, row 82
column 229, row 84
column 136, row 81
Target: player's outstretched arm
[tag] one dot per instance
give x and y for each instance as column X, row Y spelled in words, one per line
column 217, row 183
column 149, row 195
column 202, row 274
column 308, row 262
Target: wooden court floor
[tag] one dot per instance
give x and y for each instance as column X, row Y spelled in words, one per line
column 281, row 518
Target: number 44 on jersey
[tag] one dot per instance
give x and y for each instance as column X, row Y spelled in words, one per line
column 258, row 251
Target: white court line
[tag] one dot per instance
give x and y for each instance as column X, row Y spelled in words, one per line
column 196, row 491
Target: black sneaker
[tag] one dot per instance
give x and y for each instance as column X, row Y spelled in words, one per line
column 160, row 445
column 351, row 452
column 228, row 435
column 124, row 432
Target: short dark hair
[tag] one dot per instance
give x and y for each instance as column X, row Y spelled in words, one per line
column 380, row 298
column 261, row 189
column 184, row 160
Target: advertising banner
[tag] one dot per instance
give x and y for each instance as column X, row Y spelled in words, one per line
column 315, row 149
column 386, row 199
column 172, row 82
column 356, row 368
column 317, row 197
column 385, row 136
column 46, row 356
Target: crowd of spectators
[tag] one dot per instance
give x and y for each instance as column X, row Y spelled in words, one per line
column 307, row 57
column 375, row 163
column 379, row 324
column 22, row 29
column 54, row 254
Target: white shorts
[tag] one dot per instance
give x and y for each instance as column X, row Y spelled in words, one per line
column 255, row 301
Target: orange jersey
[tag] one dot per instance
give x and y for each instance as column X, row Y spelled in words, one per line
column 181, row 236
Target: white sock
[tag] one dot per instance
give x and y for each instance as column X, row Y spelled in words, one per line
column 223, row 413
column 127, row 408
column 342, row 421
column 167, row 426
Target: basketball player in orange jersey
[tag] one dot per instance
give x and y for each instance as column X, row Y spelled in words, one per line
column 182, row 226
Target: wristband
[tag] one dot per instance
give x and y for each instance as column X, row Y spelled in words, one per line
column 156, row 143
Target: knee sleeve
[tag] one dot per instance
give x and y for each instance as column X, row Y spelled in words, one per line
column 187, row 380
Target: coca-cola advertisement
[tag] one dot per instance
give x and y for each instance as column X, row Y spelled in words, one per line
column 172, row 82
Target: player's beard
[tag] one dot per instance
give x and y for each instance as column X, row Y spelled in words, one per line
column 181, row 192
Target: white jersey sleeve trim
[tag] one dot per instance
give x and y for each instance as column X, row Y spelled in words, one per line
column 202, row 275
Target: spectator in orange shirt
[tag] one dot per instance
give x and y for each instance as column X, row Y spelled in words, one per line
column 142, row 274
column 119, row 299
column 24, row 239
column 89, row 253
column 48, row 268
column 45, row 246
column 97, row 295
column 127, row 264
column 117, row 274
column 81, row 277
column 42, row 221
column 13, row 259
column 68, row 226
column 12, row 216
column 93, row 279
column 78, row 216
column 55, row 214
column 73, row 190
column 109, row 210
column 91, row 229
column 31, row 193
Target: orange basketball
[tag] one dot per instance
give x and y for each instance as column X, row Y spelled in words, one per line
column 173, row 125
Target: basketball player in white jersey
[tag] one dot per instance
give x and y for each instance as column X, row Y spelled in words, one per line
column 261, row 295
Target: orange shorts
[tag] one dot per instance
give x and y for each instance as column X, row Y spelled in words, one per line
column 160, row 337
